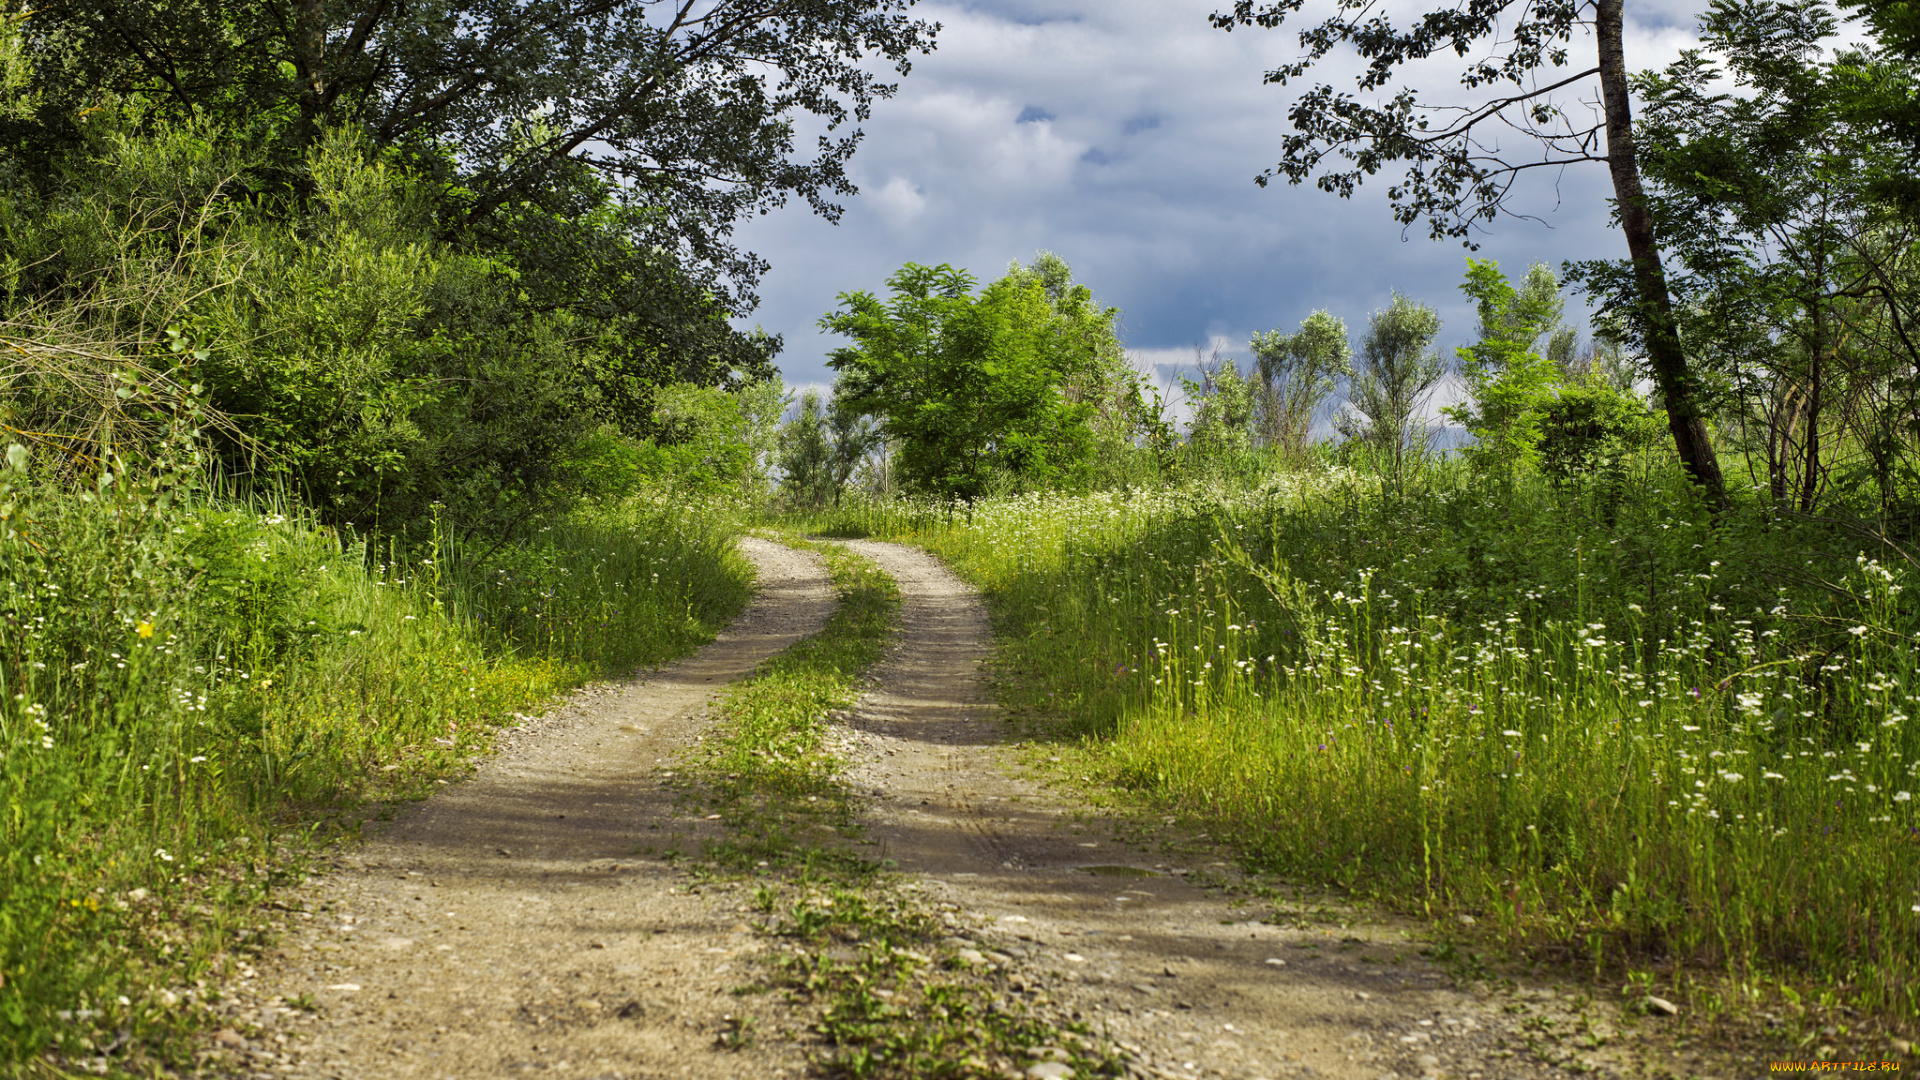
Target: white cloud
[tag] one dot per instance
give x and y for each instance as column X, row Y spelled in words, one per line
column 899, row 202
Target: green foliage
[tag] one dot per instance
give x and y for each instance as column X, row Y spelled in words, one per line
column 1590, row 428
column 822, row 449
column 970, row 388
column 374, row 368
column 1293, row 376
column 1509, row 381
column 685, row 116
column 1638, row 742
column 1797, row 254
column 1396, row 375
column 1220, row 434
column 187, row 682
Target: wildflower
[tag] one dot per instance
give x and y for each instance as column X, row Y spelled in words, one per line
column 161, row 854
column 1731, row 777
column 1858, row 631
column 143, row 628
column 1903, row 796
column 1771, row 776
column 196, row 759
column 1511, row 734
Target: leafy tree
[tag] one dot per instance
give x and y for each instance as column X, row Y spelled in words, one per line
column 1509, row 382
column 1458, row 174
column 971, row 388
column 1796, row 265
column 821, row 448
column 1224, row 409
column 1294, row 375
column 806, row 454
column 687, row 110
column 1125, row 408
column 1591, row 428
column 1397, row 371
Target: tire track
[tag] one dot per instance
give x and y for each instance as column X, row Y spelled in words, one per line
column 1184, row 981
column 522, row 922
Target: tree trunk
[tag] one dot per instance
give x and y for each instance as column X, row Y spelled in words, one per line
column 1671, row 373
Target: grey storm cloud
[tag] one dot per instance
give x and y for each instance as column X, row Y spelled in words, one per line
column 1125, row 136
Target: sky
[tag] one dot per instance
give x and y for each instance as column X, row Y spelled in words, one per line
column 1125, row 135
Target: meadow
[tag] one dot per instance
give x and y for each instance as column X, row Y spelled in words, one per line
column 200, row 687
column 1668, row 749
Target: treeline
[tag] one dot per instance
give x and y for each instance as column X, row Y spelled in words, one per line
column 1766, row 329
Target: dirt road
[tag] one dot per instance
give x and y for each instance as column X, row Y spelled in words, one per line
column 525, row 921
column 1189, row 980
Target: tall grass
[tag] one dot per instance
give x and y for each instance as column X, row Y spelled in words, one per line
column 1646, row 739
column 186, row 680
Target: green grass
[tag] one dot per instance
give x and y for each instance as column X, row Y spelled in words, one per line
column 1620, row 734
column 865, row 955
column 190, row 688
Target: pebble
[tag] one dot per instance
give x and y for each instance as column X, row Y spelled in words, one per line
column 1049, row 1070
column 1659, row 1006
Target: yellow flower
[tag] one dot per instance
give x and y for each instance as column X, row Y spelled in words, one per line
column 143, row 628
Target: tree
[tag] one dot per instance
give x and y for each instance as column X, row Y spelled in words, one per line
column 1795, row 261
column 1457, row 174
column 1508, row 380
column 1396, row 374
column 1100, row 375
column 1224, row 412
column 822, row 447
column 1294, row 375
column 806, row 456
column 970, row 387
column 687, row 111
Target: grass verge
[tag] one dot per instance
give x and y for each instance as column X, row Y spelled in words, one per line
column 192, row 690
column 891, row 996
column 1666, row 751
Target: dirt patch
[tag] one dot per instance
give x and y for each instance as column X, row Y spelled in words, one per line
column 1188, row 980
column 531, row 920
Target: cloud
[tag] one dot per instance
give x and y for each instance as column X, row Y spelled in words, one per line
column 1125, row 135
column 898, row 202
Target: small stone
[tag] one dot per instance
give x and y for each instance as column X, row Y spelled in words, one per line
column 1659, row 1006
column 1427, row 1062
column 345, row 988
column 972, row 956
column 228, row 1037
column 1276, row 961
column 1363, row 995
column 1049, row 1070
column 1901, row 1046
